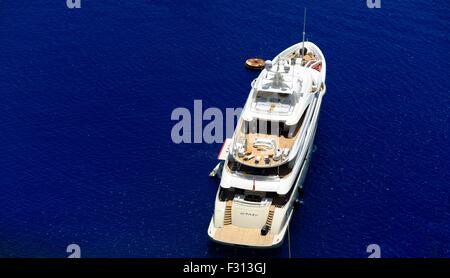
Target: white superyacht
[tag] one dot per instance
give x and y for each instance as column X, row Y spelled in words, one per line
column 266, row 161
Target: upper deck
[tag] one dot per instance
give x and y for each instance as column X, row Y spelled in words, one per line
column 278, row 103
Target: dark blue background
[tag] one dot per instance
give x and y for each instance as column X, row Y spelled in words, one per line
column 86, row 96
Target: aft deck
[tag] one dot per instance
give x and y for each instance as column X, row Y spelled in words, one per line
column 243, row 236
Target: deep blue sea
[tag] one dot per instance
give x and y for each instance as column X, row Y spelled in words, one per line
column 86, row 97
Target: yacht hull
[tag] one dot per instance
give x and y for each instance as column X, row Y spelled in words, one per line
column 239, row 222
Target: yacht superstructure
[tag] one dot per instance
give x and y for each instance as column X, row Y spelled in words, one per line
column 266, row 161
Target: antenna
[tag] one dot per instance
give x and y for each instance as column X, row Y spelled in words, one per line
column 304, row 33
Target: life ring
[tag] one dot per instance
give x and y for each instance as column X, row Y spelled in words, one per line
column 255, row 63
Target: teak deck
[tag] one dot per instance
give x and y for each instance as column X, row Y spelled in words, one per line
column 243, row 236
column 281, row 142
